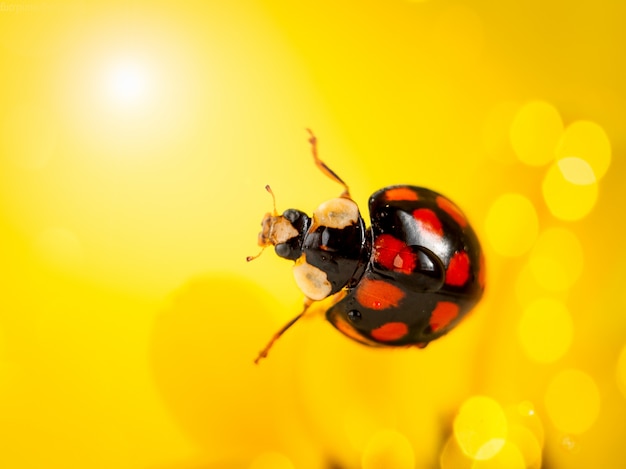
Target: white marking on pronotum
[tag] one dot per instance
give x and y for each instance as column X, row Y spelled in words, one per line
column 336, row 213
column 312, row 281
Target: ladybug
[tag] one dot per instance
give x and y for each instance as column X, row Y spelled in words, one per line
column 405, row 280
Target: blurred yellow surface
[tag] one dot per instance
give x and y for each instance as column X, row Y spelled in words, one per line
column 135, row 142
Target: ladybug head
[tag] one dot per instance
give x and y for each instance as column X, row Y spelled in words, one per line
column 285, row 231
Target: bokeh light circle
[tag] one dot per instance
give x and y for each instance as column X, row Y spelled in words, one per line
column 535, row 132
column 388, row 448
column 546, row 330
column 480, row 427
column 572, row 401
column 523, row 415
column 511, row 224
column 576, row 170
column 567, row 201
column 508, row 457
column 452, row 457
column 527, row 444
column 526, row 409
column 556, row 260
column 588, row 142
column 211, row 415
column 570, row 443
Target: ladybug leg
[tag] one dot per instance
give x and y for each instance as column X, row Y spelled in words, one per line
column 322, row 166
column 263, row 353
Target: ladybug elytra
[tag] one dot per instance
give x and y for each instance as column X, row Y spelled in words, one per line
column 406, row 280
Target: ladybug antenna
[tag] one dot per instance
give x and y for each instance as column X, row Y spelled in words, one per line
column 323, row 167
column 274, row 213
column 269, row 189
column 251, row 258
column 263, row 353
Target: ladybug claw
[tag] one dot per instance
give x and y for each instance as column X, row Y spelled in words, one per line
column 312, row 138
column 262, row 354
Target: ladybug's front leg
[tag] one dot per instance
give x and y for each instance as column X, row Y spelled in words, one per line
column 324, row 168
column 263, row 353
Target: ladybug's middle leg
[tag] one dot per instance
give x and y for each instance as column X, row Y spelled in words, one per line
column 324, row 168
column 263, row 353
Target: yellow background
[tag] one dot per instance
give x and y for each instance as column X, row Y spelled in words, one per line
column 135, row 142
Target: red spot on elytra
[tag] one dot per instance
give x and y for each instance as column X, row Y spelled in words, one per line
column 378, row 294
column 390, row 331
column 429, row 220
column 458, row 270
column 443, row 314
column 393, row 254
column 401, row 193
column 452, row 210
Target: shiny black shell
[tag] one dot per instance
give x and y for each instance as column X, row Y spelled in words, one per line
column 425, row 271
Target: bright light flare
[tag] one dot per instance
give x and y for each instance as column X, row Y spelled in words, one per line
column 133, row 97
column 127, row 82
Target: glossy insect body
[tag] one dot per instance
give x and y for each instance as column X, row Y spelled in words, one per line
column 424, row 272
column 406, row 280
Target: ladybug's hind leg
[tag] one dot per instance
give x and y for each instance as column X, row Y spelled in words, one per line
column 324, row 168
column 263, row 353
